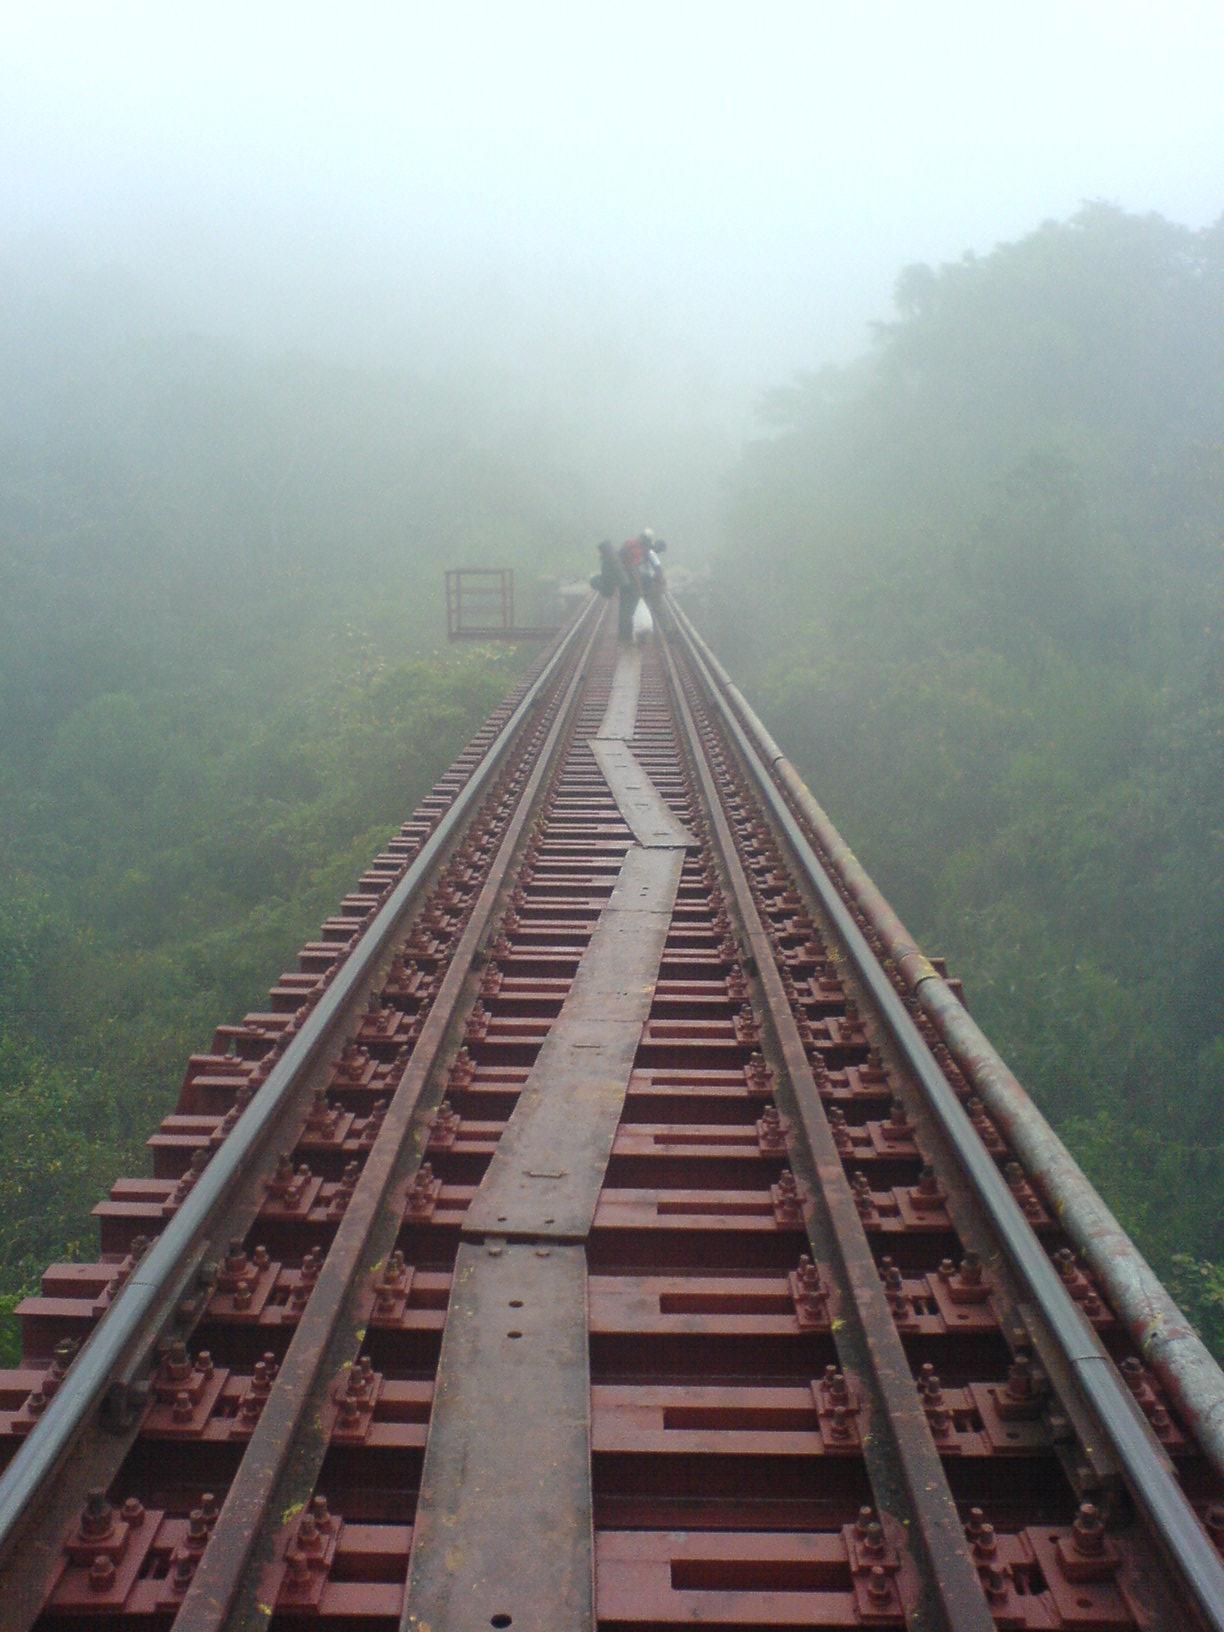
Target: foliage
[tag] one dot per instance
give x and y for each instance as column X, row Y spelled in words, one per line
column 977, row 583
column 212, row 569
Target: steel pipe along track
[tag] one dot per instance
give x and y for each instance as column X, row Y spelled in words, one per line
column 612, row 1222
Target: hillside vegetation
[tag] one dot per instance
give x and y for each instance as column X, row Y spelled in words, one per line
column 974, row 582
column 223, row 680
column 978, row 592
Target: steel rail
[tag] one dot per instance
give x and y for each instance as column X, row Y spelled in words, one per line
column 869, row 1344
column 1153, row 1487
column 248, row 1510
column 1161, row 1332
column 144, row 1303
column 1163, row 1335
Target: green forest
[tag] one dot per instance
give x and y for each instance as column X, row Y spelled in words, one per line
column 223, row 682
column 973, row 581
column 975, row 584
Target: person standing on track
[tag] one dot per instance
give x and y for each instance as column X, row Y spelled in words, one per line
column 656, row 583
column 641, row 575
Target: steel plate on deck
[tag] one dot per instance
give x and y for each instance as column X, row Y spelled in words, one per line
column 504, row 1532
column 545, row 1176
column 638, row 800
column 620, row 717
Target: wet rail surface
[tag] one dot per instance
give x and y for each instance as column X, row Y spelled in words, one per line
column 608, row 1263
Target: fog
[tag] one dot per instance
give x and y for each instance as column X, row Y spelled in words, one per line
column 644, row 213
column 300, row 304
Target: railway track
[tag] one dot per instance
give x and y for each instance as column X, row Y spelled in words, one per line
column 612, row 1222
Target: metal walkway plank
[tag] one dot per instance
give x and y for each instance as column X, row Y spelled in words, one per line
column 545, row 1176
column 504, row 1532
column 620, row 716
column 638, row 800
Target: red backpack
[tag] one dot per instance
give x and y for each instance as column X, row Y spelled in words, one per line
column 633, row 553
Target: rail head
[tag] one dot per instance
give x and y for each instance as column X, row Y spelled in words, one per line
column 119, row 1345
column 1153, row 1487
column 1169, row 1344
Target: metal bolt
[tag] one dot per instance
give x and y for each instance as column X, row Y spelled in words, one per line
column 297, row 1573
column 1019, row 1378
column 1088, row 1531
column 177, row 1364
column 97, row 1519
column 840, row 1426
column 873, row 1539
column 879, row 1588
column 984, row 1542
column 994, row 1582
column 101, row 1573
column 63, row 1356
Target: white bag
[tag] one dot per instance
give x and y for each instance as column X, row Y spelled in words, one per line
column 643, row 623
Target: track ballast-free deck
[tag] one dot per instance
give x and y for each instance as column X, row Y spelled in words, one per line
column 606, row 1225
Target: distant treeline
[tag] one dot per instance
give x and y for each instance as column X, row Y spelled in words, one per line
column 976, row 582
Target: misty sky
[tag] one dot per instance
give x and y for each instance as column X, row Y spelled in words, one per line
column 738, row 183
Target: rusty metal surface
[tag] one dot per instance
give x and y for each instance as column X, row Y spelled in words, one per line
column 1161, row 1331
column 545, row 1176
column 1152, row 1483
column 815, row 1397
column 150, row 1295
column 638, row 800
column 480, row 606
column 367, row 1230
column 870, row 1346
column 504, row 1528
